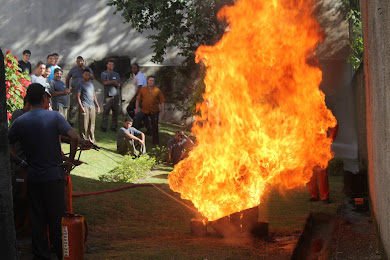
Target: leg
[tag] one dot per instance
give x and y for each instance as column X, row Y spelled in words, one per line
column 55, row 209
column 312, row 186
column 154, row 119
column 91, row 126
column 63, row 111
column 83, row 124
column 108, row 101
column 138, row 118
column 40, row 246
column 323, row 184
column 73, row 107
column 115, row 112
column 123, row 148
column 130, row 108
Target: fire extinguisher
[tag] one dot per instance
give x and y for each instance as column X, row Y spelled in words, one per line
column 74, row 230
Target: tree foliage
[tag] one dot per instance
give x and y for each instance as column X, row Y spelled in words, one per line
column 356, row 35
column 184, row 24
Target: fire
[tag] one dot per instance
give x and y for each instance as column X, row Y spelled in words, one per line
column 264, row 119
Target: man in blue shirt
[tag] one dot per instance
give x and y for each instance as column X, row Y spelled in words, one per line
column 60, row 94
column 111, row 82
column 39, row 133
column 130, row 139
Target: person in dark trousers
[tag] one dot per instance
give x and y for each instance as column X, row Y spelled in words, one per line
column 39, row 133
column 111, row 81
column 151, row 97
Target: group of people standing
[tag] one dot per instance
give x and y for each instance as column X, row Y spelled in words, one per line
column 77, row 94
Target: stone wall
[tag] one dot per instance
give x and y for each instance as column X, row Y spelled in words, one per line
column 376, row 31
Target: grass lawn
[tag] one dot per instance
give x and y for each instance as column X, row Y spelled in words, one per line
column 145, row 223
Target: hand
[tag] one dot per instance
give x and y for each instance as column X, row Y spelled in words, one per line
column 85, row 144
column 137, row 110
column 163, row 113
column 68, row 164
column 66, row 91
column 141, row 142
column 98, row 110
column 82, row 110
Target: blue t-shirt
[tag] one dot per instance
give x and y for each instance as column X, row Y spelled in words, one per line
column 86, row 91
column 39, row 131
column 122, row 132
column 60, row 100
column 77, row 75
column 51, row 76
column 110, row 90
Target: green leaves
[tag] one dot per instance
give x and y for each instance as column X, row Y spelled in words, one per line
column 356, row 35
column 179, row 23
column 16, row 84
column 129, row 169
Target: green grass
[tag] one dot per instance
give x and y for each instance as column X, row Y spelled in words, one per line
column 145, row 223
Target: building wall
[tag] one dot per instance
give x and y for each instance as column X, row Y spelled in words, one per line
column 376, row 31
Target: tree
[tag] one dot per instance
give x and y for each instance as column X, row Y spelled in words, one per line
column 184, row 24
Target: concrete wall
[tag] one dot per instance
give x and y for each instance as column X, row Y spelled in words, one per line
column 376, row 31
column 72, row 28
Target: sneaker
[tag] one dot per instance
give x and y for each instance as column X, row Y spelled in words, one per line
column 313, row 199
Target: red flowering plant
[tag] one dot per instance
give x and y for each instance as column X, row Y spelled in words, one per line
column 16, row 84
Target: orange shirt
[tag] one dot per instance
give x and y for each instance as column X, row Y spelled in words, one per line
column 150, row 100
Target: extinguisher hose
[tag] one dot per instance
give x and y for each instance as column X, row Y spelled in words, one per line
column 113, row 190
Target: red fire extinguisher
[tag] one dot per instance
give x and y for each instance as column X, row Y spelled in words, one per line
column 74, row 230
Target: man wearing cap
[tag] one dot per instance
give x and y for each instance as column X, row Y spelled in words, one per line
column 130, row 139
column 76, row 74
column 39, row 133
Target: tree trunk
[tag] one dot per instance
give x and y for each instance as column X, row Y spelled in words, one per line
column 8, row 244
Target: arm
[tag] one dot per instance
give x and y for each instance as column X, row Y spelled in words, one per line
column 96, row 103
column 80, row 104
column 74, row 140
column 137, row 106
column 133, row 137
column 67, row 81
column 162, row 109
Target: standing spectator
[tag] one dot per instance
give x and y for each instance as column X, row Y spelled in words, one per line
column 139, row 81
column 24, row 64
column 111, row 82
column 56, row 58
column 321, row 191
column 87, row 101
column 130, row 139
column 37, row 77
column 76, row 74
column 178, row 147
column 49, row 64
column 39, row 133
column 59, row 93
column 151, row 97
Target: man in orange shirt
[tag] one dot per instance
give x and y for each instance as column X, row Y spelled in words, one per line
column 151, row 97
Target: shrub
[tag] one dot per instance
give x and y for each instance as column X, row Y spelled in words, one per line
column 129, row 169
column 15, row 84
column 159, row 153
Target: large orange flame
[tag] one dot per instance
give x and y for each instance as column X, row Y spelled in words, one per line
column 264, row 119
